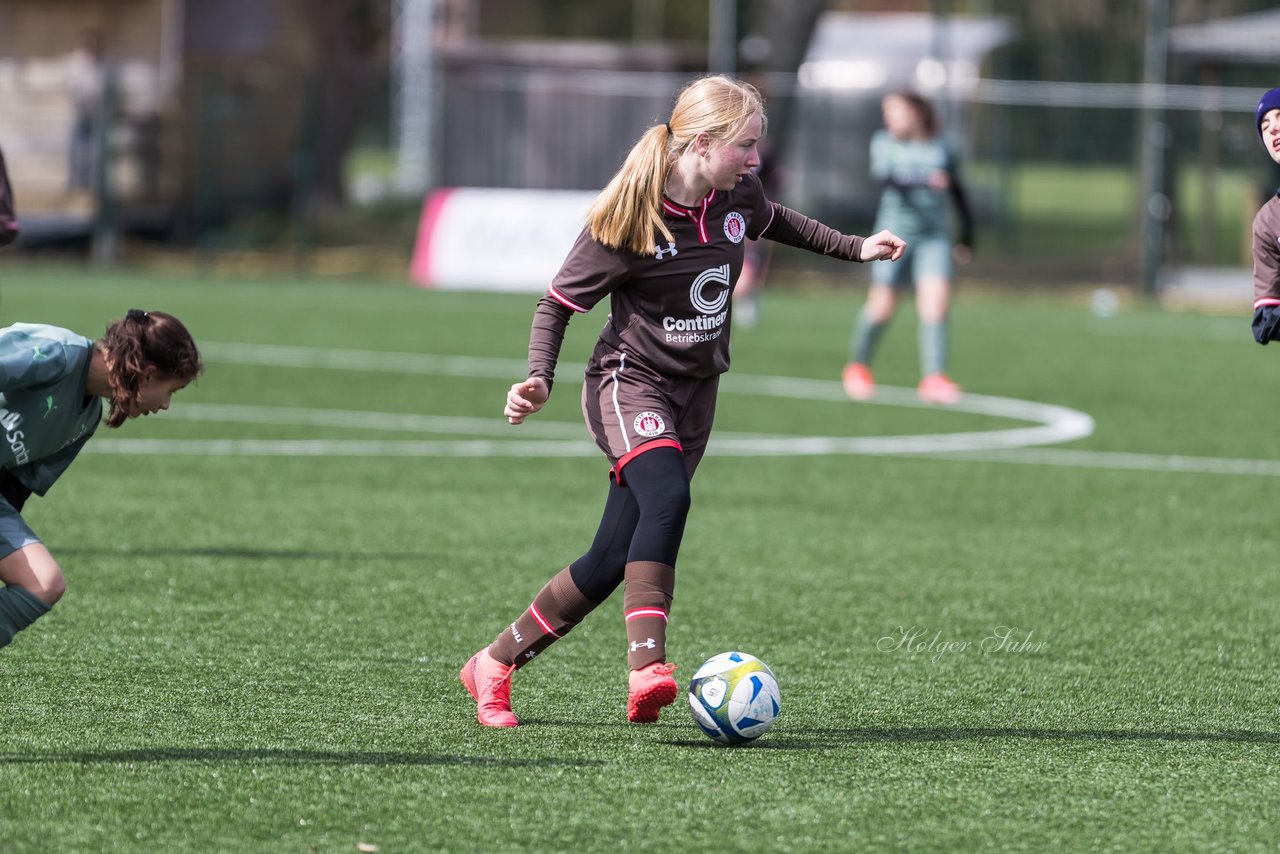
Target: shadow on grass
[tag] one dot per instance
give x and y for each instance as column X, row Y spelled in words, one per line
column 243, row 553
column 818, row 738
column 279, row 757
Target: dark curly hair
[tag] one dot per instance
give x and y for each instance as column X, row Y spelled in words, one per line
column 140, row 340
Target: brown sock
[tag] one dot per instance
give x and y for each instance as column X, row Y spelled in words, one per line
column 646, row 601
column 558, row 607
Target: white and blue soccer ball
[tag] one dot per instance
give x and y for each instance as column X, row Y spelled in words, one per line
column 734, row 697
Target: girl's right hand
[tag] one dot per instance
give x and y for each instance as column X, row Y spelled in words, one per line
column 525, row 398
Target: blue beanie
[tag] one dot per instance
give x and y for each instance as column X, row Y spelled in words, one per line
column 1270, row 101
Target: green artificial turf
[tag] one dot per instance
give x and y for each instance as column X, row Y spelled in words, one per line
column 259, row 651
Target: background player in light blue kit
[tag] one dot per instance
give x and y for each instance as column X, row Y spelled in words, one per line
column 920, row 174
column 52, row 383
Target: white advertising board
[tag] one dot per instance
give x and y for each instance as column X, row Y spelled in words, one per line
column 473, row 238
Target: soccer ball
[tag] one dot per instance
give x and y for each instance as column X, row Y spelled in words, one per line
column 734, row 697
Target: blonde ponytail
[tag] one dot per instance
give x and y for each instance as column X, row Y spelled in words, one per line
column 628, row 212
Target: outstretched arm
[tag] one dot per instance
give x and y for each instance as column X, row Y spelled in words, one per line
column 796, row 229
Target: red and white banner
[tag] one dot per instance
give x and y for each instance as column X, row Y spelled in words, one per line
column 472, row 238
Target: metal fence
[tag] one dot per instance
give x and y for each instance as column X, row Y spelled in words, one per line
column 1056, row 170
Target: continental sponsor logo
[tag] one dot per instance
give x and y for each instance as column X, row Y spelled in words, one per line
column 712, row 305
column 700, row 323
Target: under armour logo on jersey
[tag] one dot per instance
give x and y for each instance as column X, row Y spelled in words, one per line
column 531, row 653
column 660, row 253
column 648, row 644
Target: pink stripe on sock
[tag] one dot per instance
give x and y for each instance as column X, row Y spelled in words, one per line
column 646, row 612
column 542, row 621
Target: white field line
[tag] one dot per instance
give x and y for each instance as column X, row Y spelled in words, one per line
column 1056, row 424
column 341, row 448
column 1122, row 460
column 393, row 422
column 369, row 361
column 1052, row 424
column 565, row 449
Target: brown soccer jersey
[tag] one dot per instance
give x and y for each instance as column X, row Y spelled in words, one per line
column 670, row 310
column 653, row 376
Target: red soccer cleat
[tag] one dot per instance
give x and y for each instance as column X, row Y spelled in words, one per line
column 858, row 384
column 490, row 684
column 938, row 388
column 651, row 688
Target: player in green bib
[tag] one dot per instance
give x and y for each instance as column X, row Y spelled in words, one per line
column 52, row 384
column 920, row 176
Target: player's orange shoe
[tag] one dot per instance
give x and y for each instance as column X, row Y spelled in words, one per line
column 858, row 383
column 938, row 388
column 490, row 684
column 650, row 688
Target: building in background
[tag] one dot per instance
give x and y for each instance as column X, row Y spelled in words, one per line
column 203, row 104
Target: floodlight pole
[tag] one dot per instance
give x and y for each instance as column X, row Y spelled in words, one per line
column 722, row 36
column 414, row 102
column 1156, row 204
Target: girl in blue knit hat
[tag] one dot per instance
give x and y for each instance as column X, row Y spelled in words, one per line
column 1266, row 231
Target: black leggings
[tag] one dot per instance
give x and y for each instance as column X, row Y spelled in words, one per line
column 643, row 520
